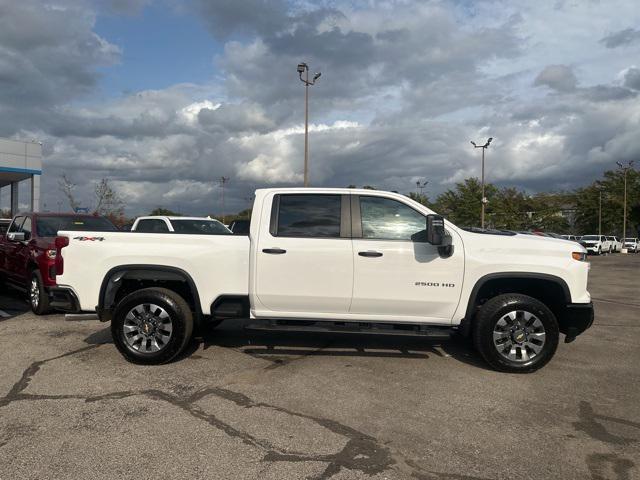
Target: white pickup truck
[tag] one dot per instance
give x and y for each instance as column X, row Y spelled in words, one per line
column 333, row 260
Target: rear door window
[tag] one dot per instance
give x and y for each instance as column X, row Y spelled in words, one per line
column 49, row 226
column 309, row 216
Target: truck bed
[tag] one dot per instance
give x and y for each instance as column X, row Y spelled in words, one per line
column 218, row 264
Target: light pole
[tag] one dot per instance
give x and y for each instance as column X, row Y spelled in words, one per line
column 484, row 199
column 625, row 169
column 421, row 185
column 304, row 68
column 223, row 181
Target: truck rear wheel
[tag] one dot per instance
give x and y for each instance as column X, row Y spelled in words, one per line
column 516, row 333
column 151, row 326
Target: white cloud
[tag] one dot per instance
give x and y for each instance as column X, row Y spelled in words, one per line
column 190, row 112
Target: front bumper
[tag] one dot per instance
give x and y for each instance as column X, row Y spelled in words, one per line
column 63, row 299
column 577, row 318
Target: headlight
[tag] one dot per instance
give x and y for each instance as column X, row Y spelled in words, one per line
column 580, row 256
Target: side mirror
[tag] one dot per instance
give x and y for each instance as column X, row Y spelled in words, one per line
column 435, row 229
column 16, row 236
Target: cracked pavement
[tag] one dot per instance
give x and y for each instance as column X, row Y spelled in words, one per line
column 254, row 405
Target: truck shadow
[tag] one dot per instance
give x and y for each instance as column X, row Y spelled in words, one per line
column 283, row 347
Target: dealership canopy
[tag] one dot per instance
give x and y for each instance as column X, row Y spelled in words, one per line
column 21, row 161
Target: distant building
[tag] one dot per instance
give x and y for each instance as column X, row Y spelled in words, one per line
column 21, row 161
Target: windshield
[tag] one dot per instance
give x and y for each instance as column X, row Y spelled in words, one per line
column 590, row 237
column 50, row 226
column 200, row 227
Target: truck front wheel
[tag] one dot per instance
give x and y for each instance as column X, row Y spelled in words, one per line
column 516, row 333
column 151, row 326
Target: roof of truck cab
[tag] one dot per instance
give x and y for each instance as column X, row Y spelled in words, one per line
column 164, row 217
column 343, row 190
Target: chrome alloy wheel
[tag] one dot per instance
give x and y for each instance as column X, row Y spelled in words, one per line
column 147, row 328
column 34, row 293
column 519, row 336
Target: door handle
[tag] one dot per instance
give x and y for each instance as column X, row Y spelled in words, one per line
column 274, row 251
column 370, row 253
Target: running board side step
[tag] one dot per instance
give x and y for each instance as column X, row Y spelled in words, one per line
column 407, row 330
column 78, row 317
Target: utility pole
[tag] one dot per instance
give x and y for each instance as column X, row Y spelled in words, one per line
column 484, row 198
column 304, row 68
column 223, row 181
column 600, row 211
column 625, row 169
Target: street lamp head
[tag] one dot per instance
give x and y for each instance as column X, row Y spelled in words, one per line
column 473, row 143
column 489, row 141
column 302, row 67
column 316, row 76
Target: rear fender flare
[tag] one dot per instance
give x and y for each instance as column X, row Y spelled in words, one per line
column 112, row 281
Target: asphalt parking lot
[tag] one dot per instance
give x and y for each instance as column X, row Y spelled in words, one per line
column 249, row 405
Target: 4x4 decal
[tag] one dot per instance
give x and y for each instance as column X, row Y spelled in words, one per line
column 91, row 239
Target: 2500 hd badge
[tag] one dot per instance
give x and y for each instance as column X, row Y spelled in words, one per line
column 435, row 284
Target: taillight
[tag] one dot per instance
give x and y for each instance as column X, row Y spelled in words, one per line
column 60, row 243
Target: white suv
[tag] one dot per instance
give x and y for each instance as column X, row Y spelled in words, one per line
column 632, row 244
column 596, row 244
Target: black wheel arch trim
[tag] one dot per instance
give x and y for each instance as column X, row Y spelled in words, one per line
column 516, row 275
column 466, row 321
column 109, row 287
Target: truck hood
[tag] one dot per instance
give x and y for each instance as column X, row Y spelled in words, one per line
column 519, row 243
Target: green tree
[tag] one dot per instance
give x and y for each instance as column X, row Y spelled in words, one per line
column 462, row 205
column 165, row 212
column 420, row 198
column 545, row 212
column 509, row 210
column 242, row 215
column 612, row 186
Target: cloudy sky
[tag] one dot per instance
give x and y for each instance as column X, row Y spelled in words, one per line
column 164, row 97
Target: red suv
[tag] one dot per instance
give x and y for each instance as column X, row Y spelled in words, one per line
column 28, row 252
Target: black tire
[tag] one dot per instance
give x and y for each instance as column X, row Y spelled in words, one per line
column 38, row 296
column 496, row 310
column 181, row 320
